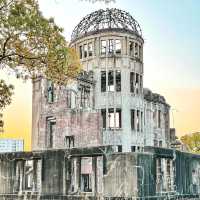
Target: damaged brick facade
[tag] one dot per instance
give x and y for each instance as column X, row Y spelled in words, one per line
column 64, row 121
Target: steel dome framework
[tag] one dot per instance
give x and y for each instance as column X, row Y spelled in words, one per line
column 109, row 19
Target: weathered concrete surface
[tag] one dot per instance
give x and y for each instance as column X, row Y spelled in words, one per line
column 113, row 175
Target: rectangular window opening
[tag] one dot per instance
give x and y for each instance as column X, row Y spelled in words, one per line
column 85, row 49
column 140, row 52
column 86, row 174
column 159, row 119
column 118, row 46
column 90, row 49
column 132, row 82
column 111, row 46
column 131, row 48
column 111, row 118
column 136, row 50
column 118, row 81
column 50, row 91
column 133, row 119
column 28, row 168
column 138, row 120
column 51, row 127
column 69, row 141
column 137, row 83
column 81, row 52
column 133, row 148
column 118, row 118
column 111, row 81
column 103, row 81
column 103, row 114
column 119, row 148
column 103, row 47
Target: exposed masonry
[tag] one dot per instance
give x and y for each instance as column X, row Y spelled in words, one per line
column 64, row 116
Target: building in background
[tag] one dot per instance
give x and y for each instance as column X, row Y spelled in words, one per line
column 11, row 145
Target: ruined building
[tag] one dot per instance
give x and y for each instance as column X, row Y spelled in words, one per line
column 107, row 104
column 102, row 136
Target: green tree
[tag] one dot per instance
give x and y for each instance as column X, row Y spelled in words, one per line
column 192, row 141
column 32, row 45
column 6, row 92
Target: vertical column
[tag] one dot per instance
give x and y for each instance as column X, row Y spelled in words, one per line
column 135, row 121
column 94, row 175
column 35, row 171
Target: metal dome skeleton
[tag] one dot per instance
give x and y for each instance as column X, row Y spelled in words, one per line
column 109, row 19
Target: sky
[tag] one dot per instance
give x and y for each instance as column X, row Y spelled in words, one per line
column 171, row 30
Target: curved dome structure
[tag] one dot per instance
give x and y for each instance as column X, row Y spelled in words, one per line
column 109, row 19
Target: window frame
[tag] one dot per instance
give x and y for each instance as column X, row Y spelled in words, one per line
column 103, row 47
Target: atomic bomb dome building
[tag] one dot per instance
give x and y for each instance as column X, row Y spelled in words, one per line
column 103, row 136
column 107, row 104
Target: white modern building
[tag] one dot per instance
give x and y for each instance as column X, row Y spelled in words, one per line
column 11, row 145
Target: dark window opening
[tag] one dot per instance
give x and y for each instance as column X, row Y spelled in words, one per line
column 85, row 50
column 133, row 119
column 141, row 83
column 103, row 81
column 141, row 121
column 69, row 141
column 103, row 47
column 133, row 149
column 87, row 182
column 137, row 83
column 119, row 148
column 110, row 81
column 51, row 127
column 50, row 91
column 118, row 123
column 111, row 46
column 118, row 47
column 69, row 99
column 90, row 49
column 85, row 95
column 159, row 119
column 103, row 114
column 160, row 143
column 131, row 48
column 136, row 50
column 118, row 81
column 138, row 120
column 81, row 52
column 140, row 52
column 132, row 80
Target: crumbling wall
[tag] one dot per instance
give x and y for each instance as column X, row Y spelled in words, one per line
column 120, row 179
column 7, row 176
column 65, row 173
column 82, row 123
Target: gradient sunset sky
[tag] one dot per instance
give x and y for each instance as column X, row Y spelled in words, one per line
column 171, row 30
